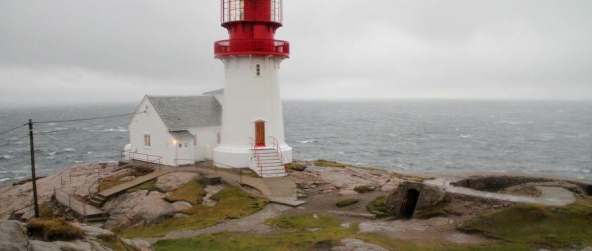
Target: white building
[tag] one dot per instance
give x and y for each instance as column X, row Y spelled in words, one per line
column 175, row 130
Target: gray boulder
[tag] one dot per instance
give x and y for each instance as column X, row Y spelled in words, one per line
column 13, row 236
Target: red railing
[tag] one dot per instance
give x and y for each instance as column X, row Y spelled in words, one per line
column 70, row 201
column 256, row 152
column 253, row 47
column 150, row 159
column 82, row 172
column 276, row 145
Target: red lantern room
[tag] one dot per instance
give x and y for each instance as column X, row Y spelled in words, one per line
column 251, row 26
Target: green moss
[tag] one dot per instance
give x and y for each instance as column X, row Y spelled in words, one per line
column 295, row 166
column 537, row 226
column 54, row 229
column 327, row 163
column 346, row 202
column 232, row 204
column 192, row 192
column 378, row 207
column 363, row 189
column 148, row 185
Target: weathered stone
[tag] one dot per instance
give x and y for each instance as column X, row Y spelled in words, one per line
column 92, row 231
column 181, row 206
column 141, row 245
column 44, row 246
column 350, row 244
column 345, row 192
column 391, row 185
column 13, row 236
column 137, row 209
column 171, row 181
column 180, row 215
column 587, row 249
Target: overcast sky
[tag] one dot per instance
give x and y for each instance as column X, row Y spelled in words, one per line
column 67, row 51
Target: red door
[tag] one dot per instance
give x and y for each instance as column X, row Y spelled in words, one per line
column 260, row 133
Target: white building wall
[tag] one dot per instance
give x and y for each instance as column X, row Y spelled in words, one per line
column 249, row 97
column 207, row 140
column 161, row 140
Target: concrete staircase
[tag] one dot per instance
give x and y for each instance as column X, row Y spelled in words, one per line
column 267, row 163
column 97, row 200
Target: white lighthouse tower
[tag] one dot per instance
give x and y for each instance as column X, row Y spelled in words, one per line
column 252, row 133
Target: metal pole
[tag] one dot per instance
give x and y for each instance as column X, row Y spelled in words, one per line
column 33, row 168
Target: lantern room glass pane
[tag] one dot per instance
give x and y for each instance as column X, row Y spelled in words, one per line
column 233, row 10
column 276, row 11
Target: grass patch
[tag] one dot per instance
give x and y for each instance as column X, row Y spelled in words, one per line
column 522, row 191
column 327, row 163
column 192, row 192
column 232, row 204
column 115, row 243
column 148, row 185
column 296, row 233
column 378, row 207
column 536, row 227
column 346, row 202
column 296, row 166
column 363, row 189
column 54, row 229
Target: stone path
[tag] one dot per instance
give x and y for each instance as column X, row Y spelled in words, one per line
column 550, row 196
column 252, row 224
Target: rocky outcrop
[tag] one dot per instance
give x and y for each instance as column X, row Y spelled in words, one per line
column 351, row 244
column 412, row 198
column 137, row 209
column 317, row 179
column 171, row 181
column 13, row 236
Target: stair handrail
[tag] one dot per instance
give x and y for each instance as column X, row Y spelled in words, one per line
column 256, row 152
column 276, row 145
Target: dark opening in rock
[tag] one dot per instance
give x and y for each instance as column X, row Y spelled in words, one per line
column 409, row 204
column 589, row 190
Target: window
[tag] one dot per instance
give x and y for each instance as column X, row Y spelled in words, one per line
column 180, row 145
column 219, row 138
column 194, row 140
column 186, row 145
column 258, row 70
column 147, row 142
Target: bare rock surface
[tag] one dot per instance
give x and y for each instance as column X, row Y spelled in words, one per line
column 317, row 179
column 137, row 209
column 171, row 181
column 74, row 180
column 13, row 236
column 351, row 244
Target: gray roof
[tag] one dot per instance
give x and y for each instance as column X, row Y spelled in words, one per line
column 183, row 112
column 182, row 134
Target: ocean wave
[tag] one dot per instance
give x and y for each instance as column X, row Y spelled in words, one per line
column 114, row 130
column 466, row 135
column 5, row 179
column 6, row 157
column 306, row 141
column 511, row 123
column 69, row 150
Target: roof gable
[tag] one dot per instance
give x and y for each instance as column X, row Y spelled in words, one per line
column 183, row 112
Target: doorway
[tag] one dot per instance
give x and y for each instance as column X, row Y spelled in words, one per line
column 409, row 203
column 259, row 133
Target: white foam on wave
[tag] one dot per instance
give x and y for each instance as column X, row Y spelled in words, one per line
column 307, row 141
column 5, row 179
column 511, row 122
column 466, row 135
column 78, row 161
column 69, row 150
column 6, row 157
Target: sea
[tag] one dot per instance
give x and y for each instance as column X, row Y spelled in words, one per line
column 409, row 136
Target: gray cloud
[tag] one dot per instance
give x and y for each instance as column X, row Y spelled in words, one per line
column 110, row 51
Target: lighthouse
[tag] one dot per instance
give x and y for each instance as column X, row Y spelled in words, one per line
column 252, row 131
